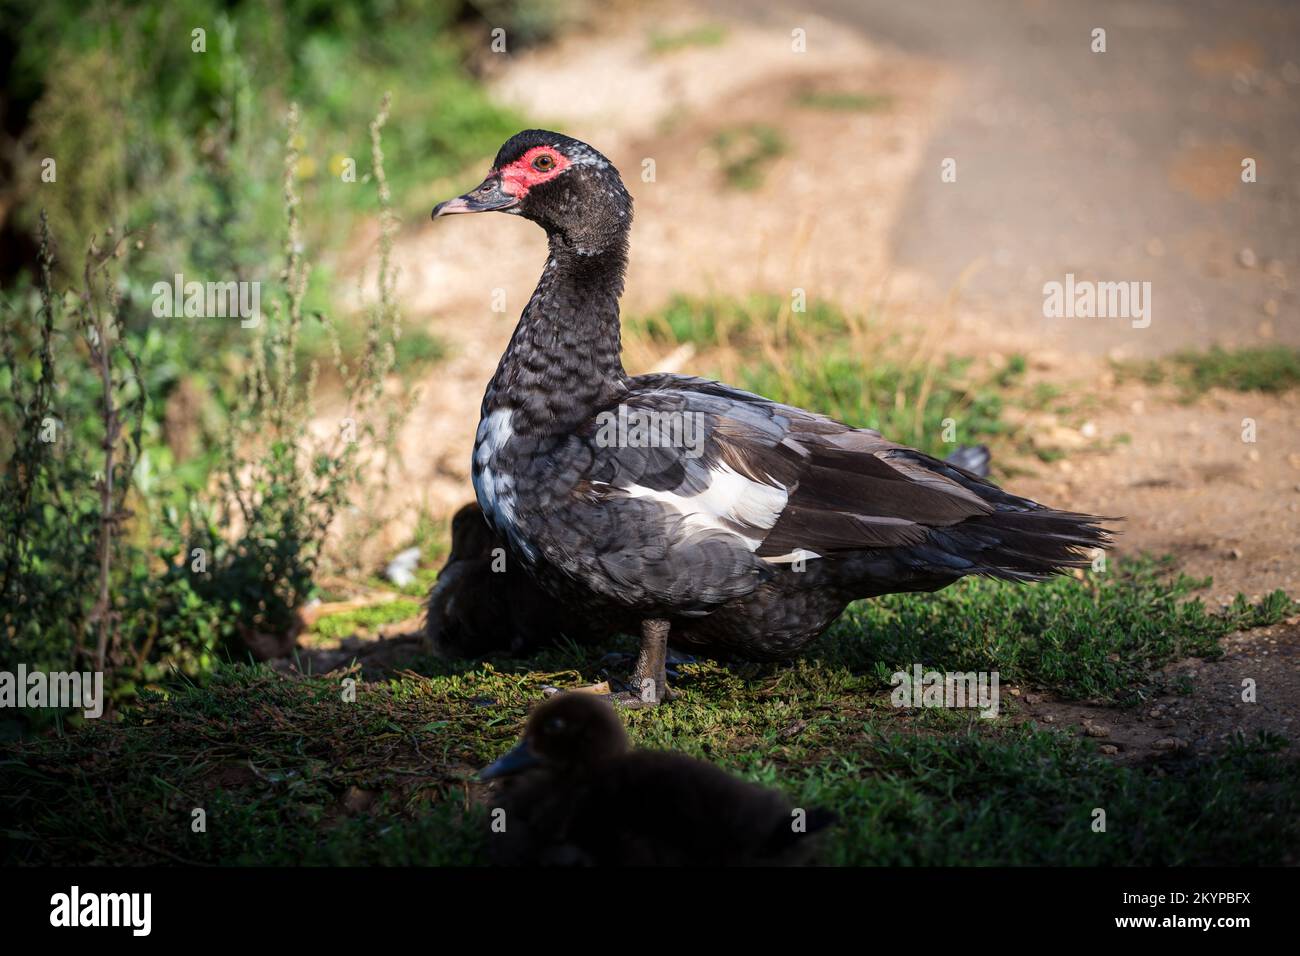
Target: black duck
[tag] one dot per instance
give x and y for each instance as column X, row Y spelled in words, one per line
column 724, row 518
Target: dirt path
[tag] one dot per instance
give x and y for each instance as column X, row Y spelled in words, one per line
column 1187, row 484
column 1121, row 165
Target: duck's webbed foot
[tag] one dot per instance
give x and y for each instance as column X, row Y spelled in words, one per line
column 649, row 684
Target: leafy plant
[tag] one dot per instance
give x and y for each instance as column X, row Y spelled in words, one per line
column 264, row 528
column 104, row 562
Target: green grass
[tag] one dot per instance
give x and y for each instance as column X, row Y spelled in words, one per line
column 707, row 34
column 745, row 151
column 812, row 360
column 906, row 403
column 843, row 102
column 715, row 322
column 290, row 772
column 1094, row 639
column 337, row 626
column 1270, row 369
column 1028, row 798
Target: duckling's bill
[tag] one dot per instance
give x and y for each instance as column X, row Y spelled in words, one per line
column 514, row 761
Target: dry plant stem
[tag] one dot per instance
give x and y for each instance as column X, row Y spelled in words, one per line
column 100, row 325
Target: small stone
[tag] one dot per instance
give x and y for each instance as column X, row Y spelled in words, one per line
column 1048, row 719
column 1109, row 749
column 1170, row 743
column 1235, row 554
column 401, row 570
column 1247, row 258
column 1096, row 730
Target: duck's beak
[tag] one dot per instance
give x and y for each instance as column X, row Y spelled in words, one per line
column 519, row 759
column 487, row 196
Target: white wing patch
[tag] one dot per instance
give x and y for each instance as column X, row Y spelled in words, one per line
column 730, row 496
column 798, row 554
column 495, row 491
column 493, row 432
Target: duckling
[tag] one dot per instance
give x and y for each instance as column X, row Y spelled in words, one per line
column 575, row 793
column 483, row 602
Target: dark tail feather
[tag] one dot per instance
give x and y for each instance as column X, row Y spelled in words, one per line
column 1026, row 545
column 1020, row 540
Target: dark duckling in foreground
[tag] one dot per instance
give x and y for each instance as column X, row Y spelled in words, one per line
column 575, row 793
column 678, row 505
column 484, row 602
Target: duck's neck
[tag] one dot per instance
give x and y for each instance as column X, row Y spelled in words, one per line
column 563, row 361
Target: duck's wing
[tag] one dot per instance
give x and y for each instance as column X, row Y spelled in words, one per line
column 779, row 484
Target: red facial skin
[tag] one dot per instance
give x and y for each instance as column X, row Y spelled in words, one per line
column 520, row 176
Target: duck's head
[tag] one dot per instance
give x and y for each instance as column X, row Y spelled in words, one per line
column 568, row 733
column 560, row 183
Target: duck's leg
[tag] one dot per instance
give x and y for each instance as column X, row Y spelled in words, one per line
column 649, row 675
column 653, row 657
column 648, row 685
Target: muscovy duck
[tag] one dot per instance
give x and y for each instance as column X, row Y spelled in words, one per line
column 730, row 519
column 576, row 794
column 484, row 603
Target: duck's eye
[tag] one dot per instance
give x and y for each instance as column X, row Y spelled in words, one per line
column 543, row 162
